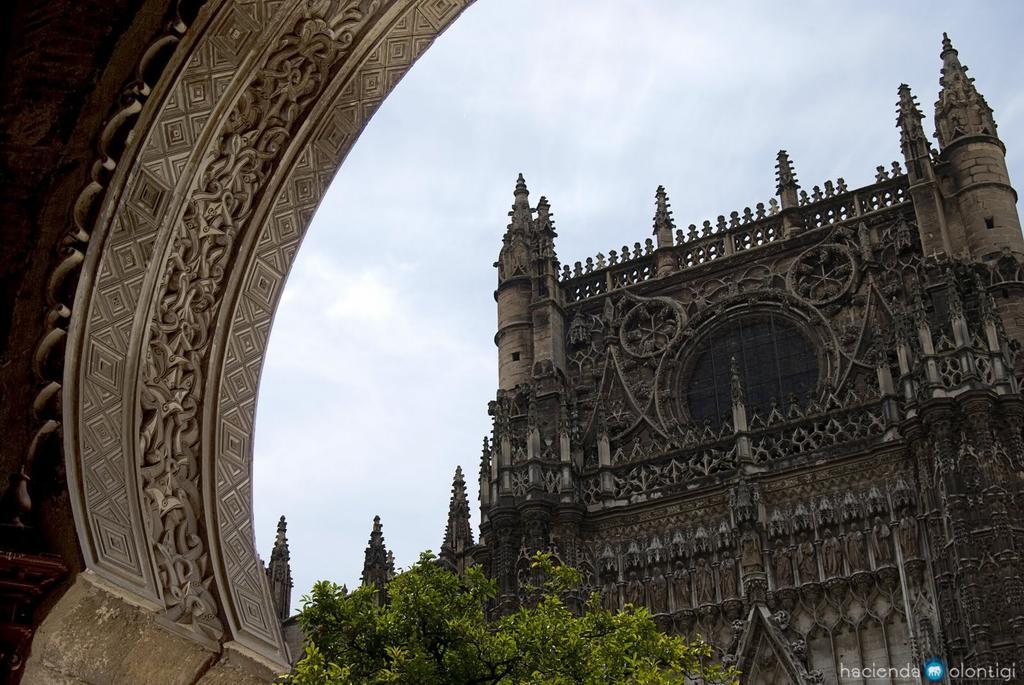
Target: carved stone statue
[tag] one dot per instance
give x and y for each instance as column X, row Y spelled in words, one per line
column 705, row 582
column 750, row 547
column 782, row 565
column 881, row 545
column 909, row 537
column 635, row 590
column 658, row 594
column 807, row 562
column 855, row 552
column 610, row 594
column 681, row 595
column 727, row 578
column 832, row 556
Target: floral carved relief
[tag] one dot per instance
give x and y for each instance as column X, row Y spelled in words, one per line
column 258, row 130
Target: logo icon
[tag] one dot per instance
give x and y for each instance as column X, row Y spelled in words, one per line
column 934, row 669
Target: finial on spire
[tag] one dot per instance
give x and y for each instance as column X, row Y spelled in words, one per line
column 785, row 181
column 521, row 192
column 521, row 214
column 664, row 227
column 947, row 44
column 281, row 539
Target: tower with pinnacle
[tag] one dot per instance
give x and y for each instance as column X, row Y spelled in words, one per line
column 793, row 429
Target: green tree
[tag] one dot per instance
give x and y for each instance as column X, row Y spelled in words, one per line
column 433, row 631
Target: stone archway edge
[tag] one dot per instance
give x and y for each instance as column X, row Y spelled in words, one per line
column 229, row 158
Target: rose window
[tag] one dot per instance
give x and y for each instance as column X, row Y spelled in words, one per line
column 650, row 327
column 822, row 274
column 775, row 361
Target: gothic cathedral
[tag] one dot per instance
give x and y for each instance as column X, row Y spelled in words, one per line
column 795, row 431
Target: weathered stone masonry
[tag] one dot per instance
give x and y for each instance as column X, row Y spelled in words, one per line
column 794, row 430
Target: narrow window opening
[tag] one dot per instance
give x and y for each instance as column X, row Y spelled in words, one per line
column 515, row 356
column 990, row 222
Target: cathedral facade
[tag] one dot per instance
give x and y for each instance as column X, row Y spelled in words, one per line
column 795, row 431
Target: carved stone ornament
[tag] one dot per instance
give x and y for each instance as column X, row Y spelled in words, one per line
column 230, row 155
column 822, row 274
column 651, row 327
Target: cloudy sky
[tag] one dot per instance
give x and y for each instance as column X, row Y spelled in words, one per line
column 382, row 360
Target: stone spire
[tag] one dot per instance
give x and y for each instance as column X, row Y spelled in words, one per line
column 664, row 227
column 664, row 230
column 485, row 474
column 544, row 229
column 279, row 572
column 913, row 141
column 517, row 243
column 960, row 110
column 521, row 214
column 378, row 564
column 458, row 535
column 785, row 181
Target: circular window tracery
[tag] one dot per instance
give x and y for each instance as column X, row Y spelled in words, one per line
column 822, row 274
column 774, row 358
column 650, row 327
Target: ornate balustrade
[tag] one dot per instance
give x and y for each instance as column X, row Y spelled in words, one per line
column 740, row 232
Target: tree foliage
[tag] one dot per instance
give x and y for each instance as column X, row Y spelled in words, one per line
column 433, row 630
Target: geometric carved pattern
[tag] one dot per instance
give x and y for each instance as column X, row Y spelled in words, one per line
column 231, row 154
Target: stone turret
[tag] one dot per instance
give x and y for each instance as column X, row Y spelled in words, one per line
column 458, row 535
column 531, row 318
column 378, row 563
column 279, row 572
column 966, row 131
column 515, row 334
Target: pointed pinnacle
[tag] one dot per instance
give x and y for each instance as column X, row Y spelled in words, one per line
column 458, row 472
column 521, row 186
column 544, row 211
column 947, row 44
column 907, row 103
column 662, row 204
column 784, row 174
column 280, row 541
column 522, row 195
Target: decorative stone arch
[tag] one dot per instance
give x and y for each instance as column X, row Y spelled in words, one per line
column 183, row 240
